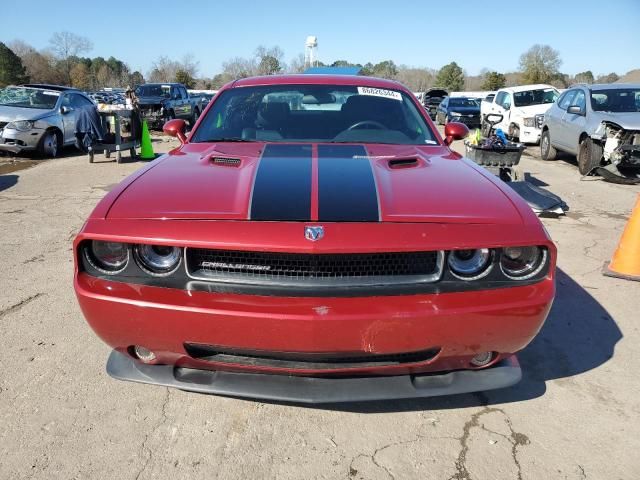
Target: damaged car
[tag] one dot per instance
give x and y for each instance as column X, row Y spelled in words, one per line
column 600, row 124
column 161, row 102
column 339, row 253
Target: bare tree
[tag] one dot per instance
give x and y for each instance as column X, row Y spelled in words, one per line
column 66, row 45
column 40, row 66
column 239, row 67
column 269, row 60
column 296, row 65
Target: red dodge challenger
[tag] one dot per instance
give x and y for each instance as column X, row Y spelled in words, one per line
column 314, row 239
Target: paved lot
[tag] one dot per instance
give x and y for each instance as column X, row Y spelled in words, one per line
column 575, row 415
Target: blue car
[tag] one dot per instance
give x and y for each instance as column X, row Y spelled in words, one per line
column 459, row 109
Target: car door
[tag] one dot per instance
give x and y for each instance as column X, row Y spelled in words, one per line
column 69, row 118
column 186, row 103
column 558, row 130
column 441, row 112
column 574, row 123
column 502, row 107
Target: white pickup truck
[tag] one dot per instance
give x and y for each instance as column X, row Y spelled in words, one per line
column 522, row 109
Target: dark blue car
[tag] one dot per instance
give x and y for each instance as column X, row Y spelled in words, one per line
column 459, row 109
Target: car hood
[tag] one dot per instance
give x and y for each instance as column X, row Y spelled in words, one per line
column 626, row 120
column 151, row 100
column 533, row 109
column 324, row 183
column 11, row 114
column 465, row 110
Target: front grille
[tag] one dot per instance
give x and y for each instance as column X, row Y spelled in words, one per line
column 304, row 360
column 299, row 269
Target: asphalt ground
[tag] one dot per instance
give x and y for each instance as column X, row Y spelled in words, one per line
column 575, row 414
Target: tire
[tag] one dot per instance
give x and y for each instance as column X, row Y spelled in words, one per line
column 169, row 116
column 547, row 151
column 194, row 117
column 49, row 144
column 589, row 156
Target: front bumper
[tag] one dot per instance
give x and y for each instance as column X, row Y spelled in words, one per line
column 15, row 141
column 315, row 390
column 530, row 135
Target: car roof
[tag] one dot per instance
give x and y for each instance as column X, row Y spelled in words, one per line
column 524, row 88
column 611, row 86
column 312, row 79
column 58, row 88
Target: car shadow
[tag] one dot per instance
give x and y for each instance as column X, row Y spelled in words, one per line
column 578, row 336
column 7, row 181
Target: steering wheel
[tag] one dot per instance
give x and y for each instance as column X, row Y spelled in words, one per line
column 378, row 125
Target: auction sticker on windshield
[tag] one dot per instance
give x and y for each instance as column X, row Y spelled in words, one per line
column 53, row 94
column 380, row 92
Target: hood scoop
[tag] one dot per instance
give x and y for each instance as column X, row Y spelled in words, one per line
column 407, row 162
column 225, row 161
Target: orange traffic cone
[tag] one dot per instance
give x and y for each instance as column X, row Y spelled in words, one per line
column 626, row 259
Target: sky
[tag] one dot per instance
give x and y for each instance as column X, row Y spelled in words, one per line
column 589, row 35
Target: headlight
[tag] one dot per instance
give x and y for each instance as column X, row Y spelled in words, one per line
column 455, row 114
column 158, row 259
column 470, row 264
column 529, row 122
column 108, row 257
column 21, row 126
column 521, row 263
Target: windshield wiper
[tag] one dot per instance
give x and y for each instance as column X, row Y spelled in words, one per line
column 224, row 139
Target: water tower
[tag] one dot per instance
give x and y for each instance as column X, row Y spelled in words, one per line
column 311, row 51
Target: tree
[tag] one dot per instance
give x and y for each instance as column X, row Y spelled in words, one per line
column 296, row 65
column 11, row 68
column 540, row 64
column 416, row 79
column 385, row 69
column 269, row 60
column 66, row 45
column 611, row 78
column 585, row 77
column 185, row 78
column 493, row 81
column 450, row 77
column 80, row 76
column 136, row 78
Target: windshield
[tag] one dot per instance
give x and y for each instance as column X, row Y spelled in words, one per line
column 153, row 91
column 535, row 97
column 616, row 100
column 321, row 113
column 24, row 97
column 463, row 102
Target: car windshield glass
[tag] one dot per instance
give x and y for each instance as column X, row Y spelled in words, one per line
column 153, row 91
column 462, row 102
column 24, row 97
column 535, row 97
column 322, row 113
column 616, row 100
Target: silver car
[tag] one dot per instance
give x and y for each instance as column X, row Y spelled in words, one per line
column 39, row 117
column 600, row 124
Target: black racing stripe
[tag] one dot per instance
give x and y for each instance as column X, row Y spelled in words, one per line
column 346, row 187
column 282, row 187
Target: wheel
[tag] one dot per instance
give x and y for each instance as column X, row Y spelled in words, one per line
column 49, row 144
column 547, row 151
column 132, row 152
column 194, row 117
column 118, row 157
column 589, row 156
column 170, row 115
column 514, row 132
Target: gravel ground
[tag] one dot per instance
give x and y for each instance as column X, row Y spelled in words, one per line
column 575, row 415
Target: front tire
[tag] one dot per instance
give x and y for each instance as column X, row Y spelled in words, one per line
column 589, row 156
column 547, row 151
column 49, row 144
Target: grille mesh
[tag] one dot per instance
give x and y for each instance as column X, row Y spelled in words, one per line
column 269, row 265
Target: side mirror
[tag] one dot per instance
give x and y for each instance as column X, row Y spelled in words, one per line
column 454, row 131
column 507, row 106
column 576, row 110
column 176, row 128
column 65, row 109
